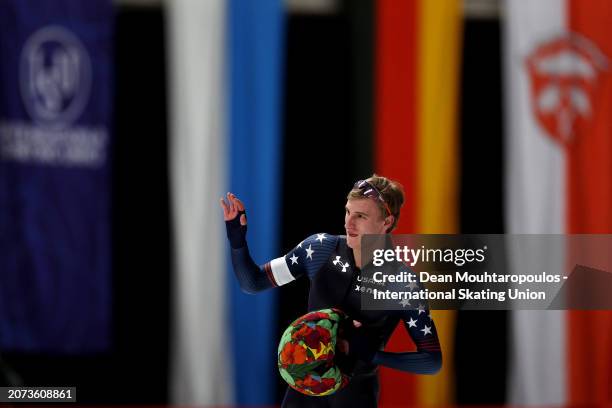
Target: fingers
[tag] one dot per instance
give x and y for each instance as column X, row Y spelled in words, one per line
column 224, row 206
column 227, row 211
column 231, row 202
column 231, row 206
column 357, row 323
column 236, row 202
column 239, row 204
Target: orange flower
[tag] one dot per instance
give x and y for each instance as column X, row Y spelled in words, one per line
column 301, row 332
column 299, row 355
column 309, row 381
column 293, row 354
column 287, row 353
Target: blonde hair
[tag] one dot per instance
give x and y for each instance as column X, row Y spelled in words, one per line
column 392, row 193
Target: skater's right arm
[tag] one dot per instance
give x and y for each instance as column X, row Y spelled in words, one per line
column 253, row 278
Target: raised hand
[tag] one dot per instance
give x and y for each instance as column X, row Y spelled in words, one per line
column 232, row 207
column 236, row 228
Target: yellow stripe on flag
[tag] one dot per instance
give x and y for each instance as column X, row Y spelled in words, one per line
column 440, row 40
column 439, row 53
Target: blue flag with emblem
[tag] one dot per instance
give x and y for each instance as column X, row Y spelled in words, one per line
column 56, row 90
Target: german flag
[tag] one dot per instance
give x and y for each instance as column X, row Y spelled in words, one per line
column 418, row 48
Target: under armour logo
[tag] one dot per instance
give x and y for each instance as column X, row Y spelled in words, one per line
column 337, row 261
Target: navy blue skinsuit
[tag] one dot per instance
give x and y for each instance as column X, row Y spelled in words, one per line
column 335, row 281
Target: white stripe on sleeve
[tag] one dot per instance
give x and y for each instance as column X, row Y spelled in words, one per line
column 280, row 271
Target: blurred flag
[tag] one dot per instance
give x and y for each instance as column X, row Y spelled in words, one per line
column 559, row 95
column 226, row 79
column 55, row 118
column 255, row 61
column 200, row 356
column 417, row 81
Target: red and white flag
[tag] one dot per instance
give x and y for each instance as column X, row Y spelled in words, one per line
column 558, row 87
